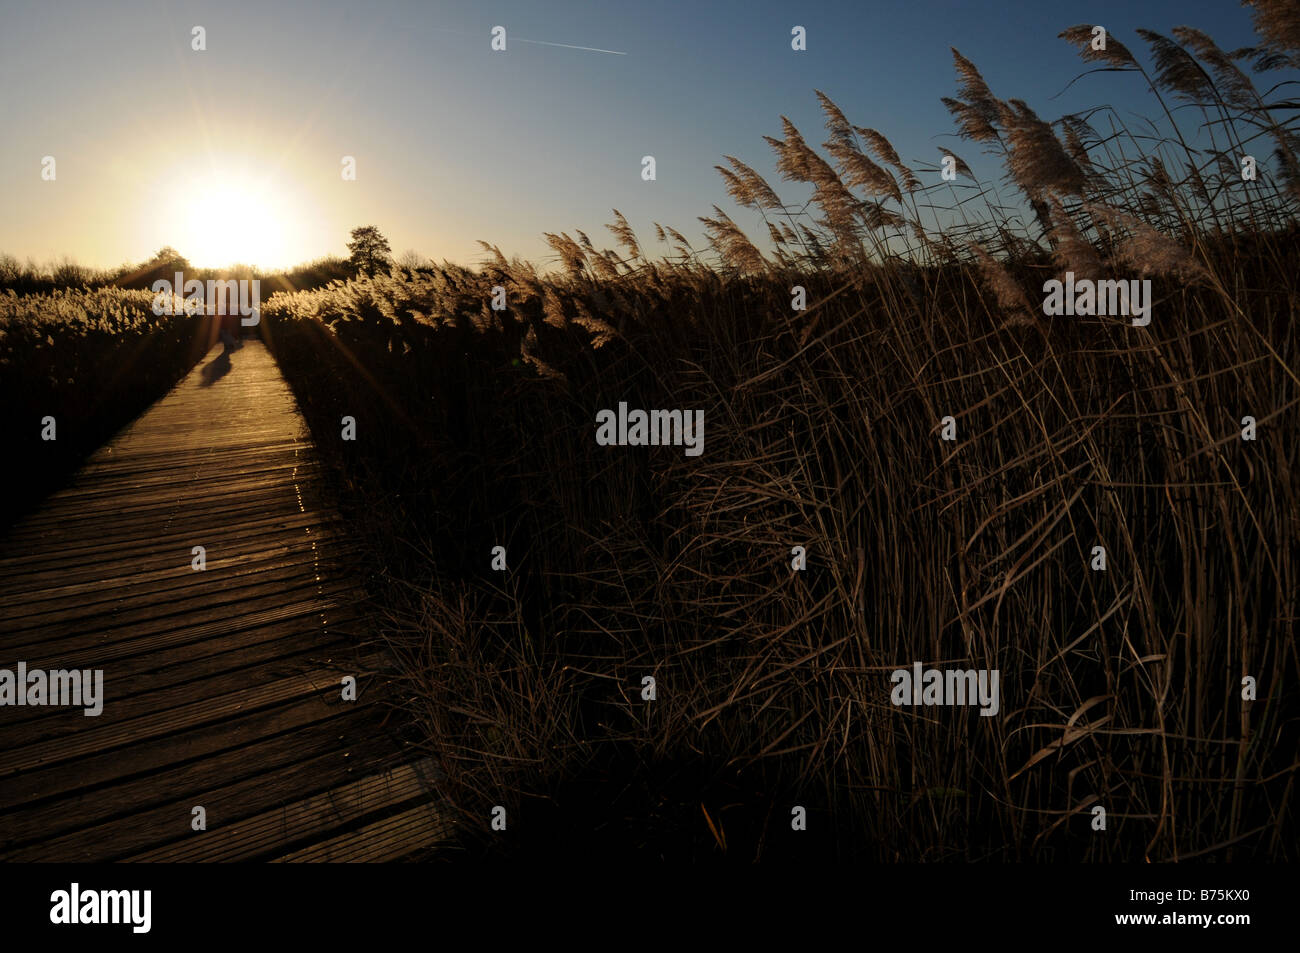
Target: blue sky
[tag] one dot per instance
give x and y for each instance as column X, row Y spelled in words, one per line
column 454, row 142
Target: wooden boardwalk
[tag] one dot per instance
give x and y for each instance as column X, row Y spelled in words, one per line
column 222, row 687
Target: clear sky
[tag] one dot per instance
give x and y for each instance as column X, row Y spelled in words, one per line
column 235, row 151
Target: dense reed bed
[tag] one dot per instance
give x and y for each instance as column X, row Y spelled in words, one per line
column 1122, row 688
column 90, row 359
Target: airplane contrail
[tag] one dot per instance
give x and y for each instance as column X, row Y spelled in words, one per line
column 567, row 46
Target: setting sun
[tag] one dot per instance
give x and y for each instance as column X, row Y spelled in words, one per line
column 469, row 436
column 231, row 219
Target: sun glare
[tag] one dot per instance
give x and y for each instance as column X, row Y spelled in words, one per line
column 224, row 219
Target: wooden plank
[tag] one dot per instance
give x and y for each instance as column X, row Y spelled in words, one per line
column 392, row 838
column 223, row 739
column 158, row 482
column 281, row 767
column 169, row 689
column 302, row 820
column 155, row 550
column 97, row 648
column 221, row 688
column 219, row 488
column 302, row 632
column 213, row 590
column 323, row 683
column 146, row 539
column 161, row 586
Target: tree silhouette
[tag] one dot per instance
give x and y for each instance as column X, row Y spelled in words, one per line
column 162, row 266
column 369, row 250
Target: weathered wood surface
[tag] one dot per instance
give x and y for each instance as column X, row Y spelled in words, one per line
column 222, row 687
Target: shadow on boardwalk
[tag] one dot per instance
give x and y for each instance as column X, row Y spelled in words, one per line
column 221, row 684
column 215, row 369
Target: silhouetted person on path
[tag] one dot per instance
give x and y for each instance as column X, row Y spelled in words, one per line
column 230, row 328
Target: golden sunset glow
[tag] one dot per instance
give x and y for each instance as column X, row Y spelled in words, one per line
column 223, row 218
